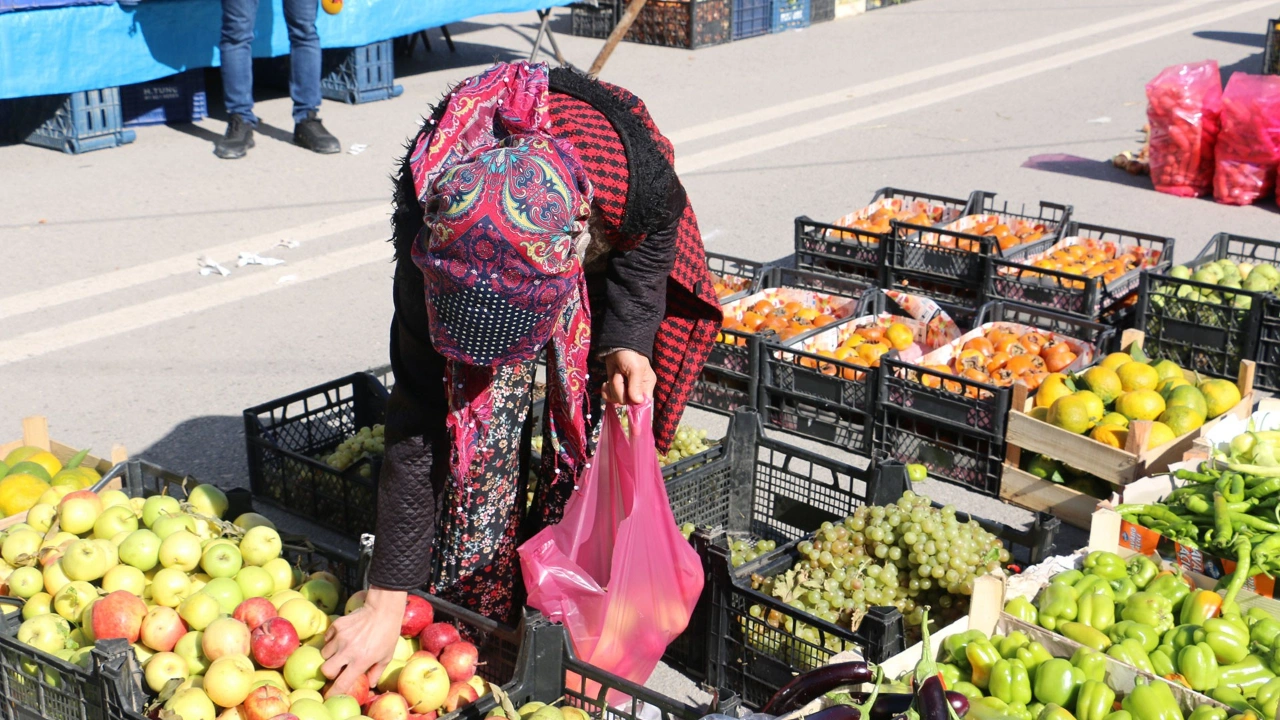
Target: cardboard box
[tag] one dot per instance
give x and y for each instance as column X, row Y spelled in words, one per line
column 35, row 431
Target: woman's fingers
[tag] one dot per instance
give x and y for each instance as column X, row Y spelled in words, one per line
column 615, row 389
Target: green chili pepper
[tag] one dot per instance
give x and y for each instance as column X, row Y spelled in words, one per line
column 1085, row 635
column 1222, row 528
column 1249, row 674
column 1267, row 697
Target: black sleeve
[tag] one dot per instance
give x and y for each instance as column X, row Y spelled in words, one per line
column 636, row 287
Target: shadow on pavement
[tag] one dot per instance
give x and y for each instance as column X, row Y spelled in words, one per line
column 1238, row 38
column 1251, row 64
column 1089, row 168
column 210, row 448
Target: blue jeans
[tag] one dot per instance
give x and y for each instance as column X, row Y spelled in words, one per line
column 237, row 56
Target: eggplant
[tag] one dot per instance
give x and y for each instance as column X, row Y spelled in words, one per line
column 836, row 712
column 934, row 703
column 889, row 705
column 959, row 702
column 806, row 688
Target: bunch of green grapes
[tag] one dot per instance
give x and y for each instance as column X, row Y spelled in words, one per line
column 908, row 555
column 687, row 443
column 744, row 551
column 367, row 442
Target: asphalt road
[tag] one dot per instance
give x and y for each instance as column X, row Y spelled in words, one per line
column 107, row 328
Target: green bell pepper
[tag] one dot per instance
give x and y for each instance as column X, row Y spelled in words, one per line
column 1265, row 632
column 1151, row 702
column 1200, row 606
column 1250, row 672
column 1198, row 665
column 950, row 674
column 1097, row 611
column 1092, row 584
column 1257, row 615
column 955, row 645
column 1107, row 565
column 1085, row 635
column 1070, row 577
column 1033, row 656
column 1232, row 698
column 989, row 708
column 1056, row 604
column 1022, row 609
column 1170, row 586
column 1162, row 661
column 1229, row 641
column 1149, row 608
column 1208, row 712
column 967, row 689
column 1008, row 645
column 1123, row 589
column 1091, row 662
column 1010, row 682
column 1095, row 701
column 1184, row 635
column 1128, row 629
column 1142, row 570
column 1120, row 715
column 983, row 657
column 1020, row 711
column 1131, row 653
column 1035, row 709
column 1268, row 697
column 1057, row 681
column 1273, row 661
column 1053, row 711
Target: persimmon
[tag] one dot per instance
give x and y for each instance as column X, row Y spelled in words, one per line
column 981, row 344
column 997, row 362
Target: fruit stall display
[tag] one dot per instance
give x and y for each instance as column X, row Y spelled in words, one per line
column 824, row 386
column 1218, row 309
column 853, row 246
column 33, row 464
column 1128, row 416
column 734, row 277
column 1092, row 273
column 949, row 410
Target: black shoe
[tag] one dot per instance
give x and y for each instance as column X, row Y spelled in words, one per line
column 237, row 141
column 310, row 134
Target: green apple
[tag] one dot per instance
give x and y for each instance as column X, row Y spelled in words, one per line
column 125, row 577
column 207, row 543
column 297, row 695
column 270, row 677
column 191, row 648
column 225, row 637
column 39, row 604
column 226, row 592
column 86, row 622
column 113, row 521
column 158, row 506
column 208, row 500
column 321, row 592
column 199, row 610
column 45, row 632
column 18, row 545
column 84, row 560
column 54, row 578
column 251, row 520
column 308, row 709
column 163, row 667
column 114, row 498
column 109, row 550
column 25, row 582
column 54, row 495
column 306, row 618
column 169, row 587
column 221, row 560
column 255, row 582
column 281, row 572
column 78, row 511
column 180, row 550
column 302, row 670
column 70, row 601
column 118, row 540
column 40, row 517
column 170, row 524
column 142, row 652
column 192, row 704
column 141, row 549
column 261, row 545
column 280, row 597
column 342, row 707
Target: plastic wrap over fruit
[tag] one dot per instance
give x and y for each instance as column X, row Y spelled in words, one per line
column 1183, row 105
column 1248, row 147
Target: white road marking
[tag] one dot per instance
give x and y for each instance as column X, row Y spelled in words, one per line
column 151, row 312
column 124, row 278
column 897, row 82
column 817, row 128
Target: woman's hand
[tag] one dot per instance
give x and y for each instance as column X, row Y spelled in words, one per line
column 358, row 647
column 630, row 378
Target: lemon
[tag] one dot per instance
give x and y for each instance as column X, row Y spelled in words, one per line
column 1140, row 405
column 46, row 460
column 1052, row 387
column 1168, row 370
column 1138, row 376
column 1114, row 418
column 1071, row 413
column 1103, row 382
column 1115, row 360
column 1094, row 403
column 1220, row 396
column 1168, row 385
column 19, row 491
column 1188, row 397
column 1181, row 419
column 1112, row 435
column 1161, row 434
column 17, row 455
column 30, row 468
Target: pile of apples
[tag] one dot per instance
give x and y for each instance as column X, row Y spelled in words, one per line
column 224, row 627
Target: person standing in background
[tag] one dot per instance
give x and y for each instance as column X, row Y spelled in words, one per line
column 238, row 18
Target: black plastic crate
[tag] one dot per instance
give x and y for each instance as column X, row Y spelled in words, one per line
column 360, row 74
column 750, row 272
column 822, row 11
column 284, row 437
column 1102, row 336
column 1271, row 55
column 1205, row 336
column 960, row 299
column 688, row 24
column 1088, row 298
column 73, row 123
column 751, row 18
column 594, row 22
column 848, row 252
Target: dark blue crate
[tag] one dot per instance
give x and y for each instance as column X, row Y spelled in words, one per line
column 751, row 18
column 789, row 15
column 360, row 75
column 175, row 99
column 73, row 123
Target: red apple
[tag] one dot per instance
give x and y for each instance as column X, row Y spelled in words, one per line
column 266, row 702
column 437, row 636
column 459, row 660
column 119, row 615
column 255, row 611
column 162, row 628
column 360, row 691
column 273, row 642
column 418, row 614
column 460, row 694
column 388, row 706
column 285, row 716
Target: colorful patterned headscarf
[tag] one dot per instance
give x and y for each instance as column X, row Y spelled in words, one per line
column 502, row 200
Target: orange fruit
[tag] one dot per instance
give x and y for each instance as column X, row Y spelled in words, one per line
column 899, row 336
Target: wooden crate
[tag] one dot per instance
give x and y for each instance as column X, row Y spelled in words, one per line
column 1116, row 466
column 35, row 431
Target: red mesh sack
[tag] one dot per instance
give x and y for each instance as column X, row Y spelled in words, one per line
column 1183, row 103
column 1248, row 147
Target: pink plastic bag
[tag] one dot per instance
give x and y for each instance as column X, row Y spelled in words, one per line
column 616, row 571
column 1183, row 103
column 1249, row 145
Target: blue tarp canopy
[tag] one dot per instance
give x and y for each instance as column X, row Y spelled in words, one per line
column 67, row 49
